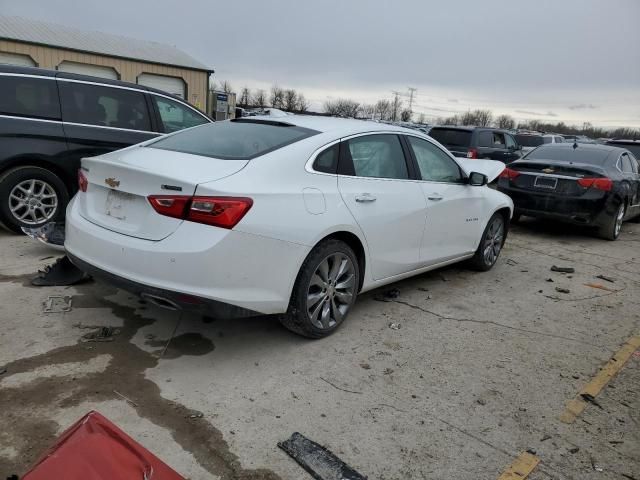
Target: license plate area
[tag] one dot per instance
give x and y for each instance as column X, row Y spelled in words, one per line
column 116, row 204
column 548, row 183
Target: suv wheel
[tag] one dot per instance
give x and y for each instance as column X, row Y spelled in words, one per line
column 31, row 197
column 325, row 290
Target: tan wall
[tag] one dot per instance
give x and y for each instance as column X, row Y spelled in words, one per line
column 51, row 57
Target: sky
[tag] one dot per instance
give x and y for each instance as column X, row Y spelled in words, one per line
column 551, row 60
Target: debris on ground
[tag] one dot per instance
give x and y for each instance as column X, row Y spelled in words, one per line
column 51, row 234
column 103, row 334
column 3, row 370
column 61, row 273
column 365, row 366
column 481, row 401
column 126, row 399
column 96, row 449
column 196, row 415
column 550, row 280
column 606, row 279
column 545, row 438
column 562, row 290
column 511, row 262
column 599, row 286
column 395, row 326
column 574, row 450
column 554, row 268
column 57, row 304
column 318, row 461
column 387, row 295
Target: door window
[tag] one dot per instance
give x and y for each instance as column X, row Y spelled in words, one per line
column 511, row 143
column 378, row 156
column 498, row 140
column 29, row 97
column 104, row 106
column 175, row 116
column 434, row 164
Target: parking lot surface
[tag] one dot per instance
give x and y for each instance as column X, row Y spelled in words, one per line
column 451, row 379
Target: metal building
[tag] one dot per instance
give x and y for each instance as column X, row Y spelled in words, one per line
column 46, row 45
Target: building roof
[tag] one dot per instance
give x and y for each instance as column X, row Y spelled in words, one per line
column 55, row 35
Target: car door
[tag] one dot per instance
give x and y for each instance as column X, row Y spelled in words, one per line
column 513, row 149
column 375, row 182
column 98, row 119
column 454, row 209
column 629, row 168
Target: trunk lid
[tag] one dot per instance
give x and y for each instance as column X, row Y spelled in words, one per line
column 559, row 178
column 120, row 182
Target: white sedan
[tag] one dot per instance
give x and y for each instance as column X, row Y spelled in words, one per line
column 291, row 216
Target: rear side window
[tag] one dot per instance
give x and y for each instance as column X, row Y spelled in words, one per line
column 327, row 160
column 377, row 156
column 104, row 106
column 451, row 137
column 234, row 140
column 625, row 164
column 29, row 97
column 175, row 116
column 594, row 156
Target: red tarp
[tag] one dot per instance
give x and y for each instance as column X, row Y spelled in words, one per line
column 95, row 449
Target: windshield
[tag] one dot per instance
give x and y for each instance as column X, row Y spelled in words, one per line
column 233, row 140
column 529, row 140
column 451, row 137
column 593, row 156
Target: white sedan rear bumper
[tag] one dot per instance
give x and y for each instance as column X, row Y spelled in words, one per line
column 252, row 272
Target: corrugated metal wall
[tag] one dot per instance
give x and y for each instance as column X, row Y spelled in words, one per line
column 51, row 57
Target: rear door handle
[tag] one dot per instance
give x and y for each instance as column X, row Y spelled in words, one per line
column 365, row 198
column 435, row 197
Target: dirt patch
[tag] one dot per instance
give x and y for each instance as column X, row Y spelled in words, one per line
column 23, row 416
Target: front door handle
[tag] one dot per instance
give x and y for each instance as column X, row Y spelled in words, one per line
column 365, row 198
column 435, row 197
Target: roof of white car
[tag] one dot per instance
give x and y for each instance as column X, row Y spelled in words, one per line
column 341, row 126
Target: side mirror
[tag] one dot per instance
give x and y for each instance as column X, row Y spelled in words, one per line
column 478, row 179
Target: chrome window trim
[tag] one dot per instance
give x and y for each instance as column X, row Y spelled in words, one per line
column 122, row 87
column 31, row 119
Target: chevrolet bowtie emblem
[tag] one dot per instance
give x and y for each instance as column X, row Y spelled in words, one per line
column 112, row 182
column 545, row 170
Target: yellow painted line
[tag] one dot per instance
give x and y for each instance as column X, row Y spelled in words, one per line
column 521, row 467
column 576, row 406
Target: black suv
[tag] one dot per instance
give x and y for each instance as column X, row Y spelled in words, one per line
column 478, row 142
column 49, row 120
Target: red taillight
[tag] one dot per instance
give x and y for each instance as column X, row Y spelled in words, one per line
column 83, row 182
column 224, row 212
column 472, row 153
column 170, row 205
column 509, row 173
column 604, row 184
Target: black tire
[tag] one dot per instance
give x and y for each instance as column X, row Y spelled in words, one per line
column 298, row 318
column 16, row 176
column 611, row 229
column 516, row 217
column 480, row 261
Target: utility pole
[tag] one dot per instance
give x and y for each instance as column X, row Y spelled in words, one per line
column 396, row 105
column 412, row 92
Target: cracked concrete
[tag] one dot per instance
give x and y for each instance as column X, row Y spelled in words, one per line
column 480, row 370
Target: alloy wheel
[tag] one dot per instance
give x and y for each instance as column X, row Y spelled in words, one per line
column 331, row 291
column 618, row 225
column 33, row 202
column 493, row 240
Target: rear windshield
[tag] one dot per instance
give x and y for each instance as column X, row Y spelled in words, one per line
column 451, row 136
column 591, row 156
column 234, row 140
column 530, row 140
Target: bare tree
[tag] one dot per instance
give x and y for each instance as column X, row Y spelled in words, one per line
column 226, row 87
column 367, row 111
column 453, row 120
column 245, row 97
column 422, row 118
column 303, row 103
column 290, row 100
column 505, row 121
column 467, row 118
column 482, row 118
column 277, row 97
column 396, row 108
column 342, row 107
column 260, row 98
column 405, row 115
column 383, row 109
